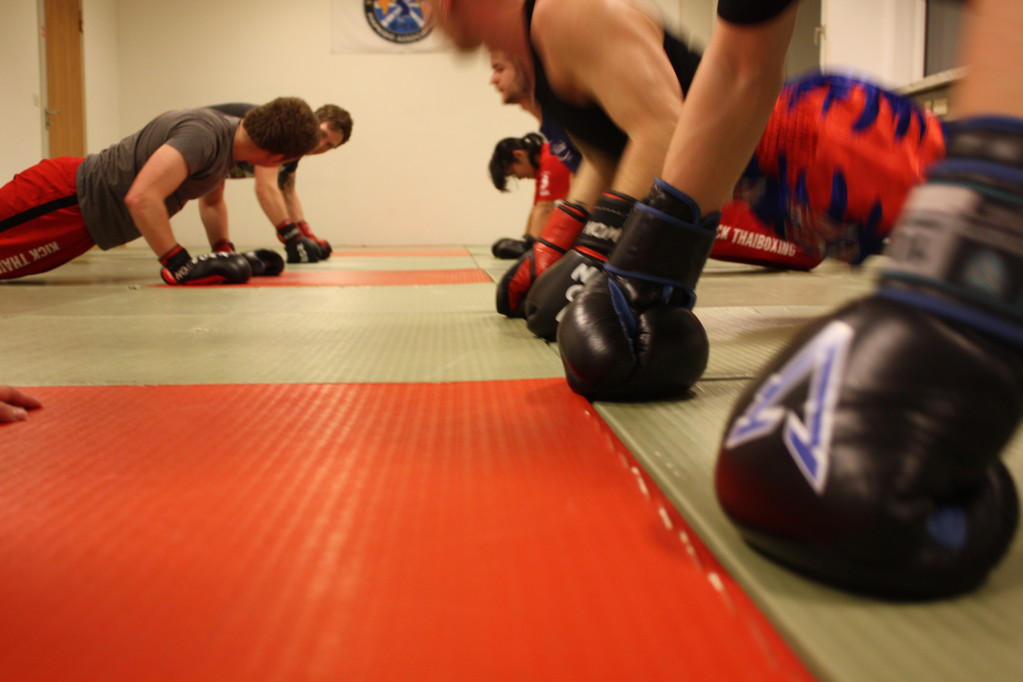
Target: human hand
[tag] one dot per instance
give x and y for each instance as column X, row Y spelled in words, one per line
column 325, row 248
column 218, row 267
column 14, row 404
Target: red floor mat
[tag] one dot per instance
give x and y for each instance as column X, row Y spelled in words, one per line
column 386, row 532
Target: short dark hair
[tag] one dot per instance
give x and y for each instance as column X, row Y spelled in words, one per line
column 287, row 126
column 504, row 156
column 337, row 119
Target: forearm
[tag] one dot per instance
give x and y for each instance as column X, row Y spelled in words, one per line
column 727, row 109
column 710, row 150
column 538, row 217
column 150, row 217
column 159, row 176
column 273, row 206
column 990, row 41
column 593, row 176
column 214, row 221
column 269, row 196
column 643, row 159
column 293, row 204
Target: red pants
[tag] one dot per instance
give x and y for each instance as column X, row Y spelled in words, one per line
column 836, row 163
column 41, row 226
column 744, row 238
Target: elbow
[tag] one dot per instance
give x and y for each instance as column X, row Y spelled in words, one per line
column 144, row 206
column 138, row 202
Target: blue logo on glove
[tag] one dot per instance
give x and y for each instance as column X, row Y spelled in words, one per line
column 819, row 367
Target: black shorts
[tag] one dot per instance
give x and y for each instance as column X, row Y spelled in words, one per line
column 751, row 11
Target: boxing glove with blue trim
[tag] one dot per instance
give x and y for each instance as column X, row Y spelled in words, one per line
column 631, row 333
column 867, row 454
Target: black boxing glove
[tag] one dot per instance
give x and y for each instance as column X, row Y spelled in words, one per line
column 631, row 334
column 219, row 267
column 507, row 248
column 559, row 284
column 297, row 247
column 264, row 262
column 559, row 233
column 323, row 244
column 866, row 455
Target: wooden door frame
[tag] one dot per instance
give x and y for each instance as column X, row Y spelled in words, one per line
column 74, row 143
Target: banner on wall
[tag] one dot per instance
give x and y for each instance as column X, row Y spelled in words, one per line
column 381, row 26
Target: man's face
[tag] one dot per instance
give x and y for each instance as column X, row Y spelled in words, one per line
column 507, row 80
column 329, row 139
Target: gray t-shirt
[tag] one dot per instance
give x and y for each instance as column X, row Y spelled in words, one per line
column 202, row 136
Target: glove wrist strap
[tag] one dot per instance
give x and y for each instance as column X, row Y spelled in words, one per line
column 959, row 239
column 175, row 258
column 672, row 291
column 563, row 226
column 288, row 231
column 604, row 228
column 662, row 246
column 952, row 241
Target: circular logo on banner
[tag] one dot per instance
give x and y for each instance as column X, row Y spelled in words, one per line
column 398, row 21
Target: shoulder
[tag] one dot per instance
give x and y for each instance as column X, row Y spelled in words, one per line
column 237, row 109
column 571, row 40
column 201, row 122
column 201, row 117
column 557, row 23
column 197, row 132
column 581, row 32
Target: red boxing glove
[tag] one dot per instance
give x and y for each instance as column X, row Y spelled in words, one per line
column 559, row 234
column 218, row 267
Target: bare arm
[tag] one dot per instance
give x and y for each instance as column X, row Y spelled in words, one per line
column 989, row 42
column 538, row 217
column 162, row 173
column 270, row 197
column 291, row 199
column 213, row 213
column 726, row 111
column 595, row 174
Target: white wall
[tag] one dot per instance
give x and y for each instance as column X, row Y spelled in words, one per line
column 20, row 114
column 22, row 135
column 415, row 170
column 101, row 62
column 880, row 38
